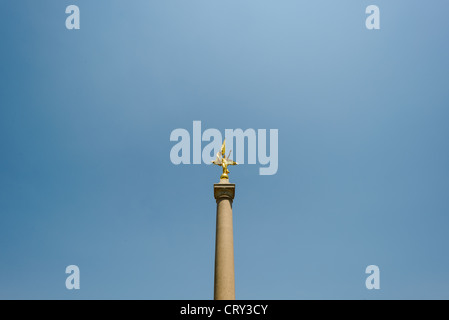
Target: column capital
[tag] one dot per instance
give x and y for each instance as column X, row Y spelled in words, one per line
column 224, row 191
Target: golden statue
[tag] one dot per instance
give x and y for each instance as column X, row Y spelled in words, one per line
column 224, row 161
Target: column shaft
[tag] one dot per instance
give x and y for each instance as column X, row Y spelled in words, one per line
column 224, row 282
column 224, row 253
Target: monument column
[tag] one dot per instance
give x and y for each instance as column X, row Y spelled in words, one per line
column 224, row 282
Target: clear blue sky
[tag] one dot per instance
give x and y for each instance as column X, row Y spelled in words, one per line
column 86, row 177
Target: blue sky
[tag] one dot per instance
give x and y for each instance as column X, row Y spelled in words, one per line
column 85, row 171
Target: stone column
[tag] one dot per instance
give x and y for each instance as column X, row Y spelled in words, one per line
column 224, row 284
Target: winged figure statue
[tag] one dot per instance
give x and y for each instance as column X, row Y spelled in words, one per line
column 224, row 161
